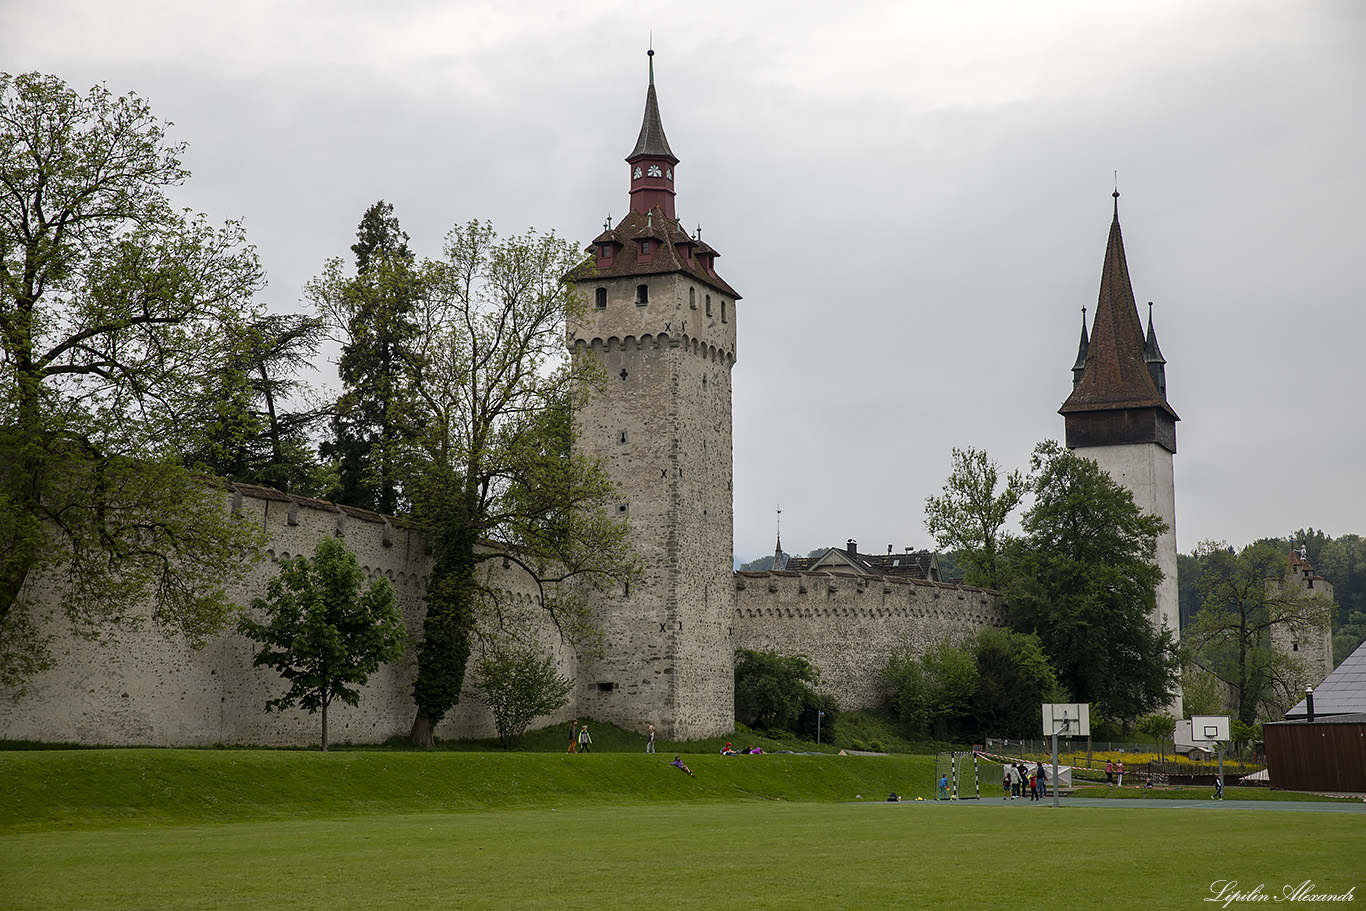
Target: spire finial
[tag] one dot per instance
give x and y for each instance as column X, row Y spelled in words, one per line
column 651, row 54
column 778, row 548
column 1116, row 196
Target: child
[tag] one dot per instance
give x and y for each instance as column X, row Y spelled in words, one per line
column 678, row 764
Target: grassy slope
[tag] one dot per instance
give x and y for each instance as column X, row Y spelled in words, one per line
column 97, row 787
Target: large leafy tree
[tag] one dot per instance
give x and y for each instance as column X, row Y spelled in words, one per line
column 375, row 315
column 496, row 457
column 114, row 308
column 968, row 517
column 324, row 631
column 1083, row 579
column 1246, row 600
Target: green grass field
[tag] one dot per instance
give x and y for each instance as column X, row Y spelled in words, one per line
column 183, row 829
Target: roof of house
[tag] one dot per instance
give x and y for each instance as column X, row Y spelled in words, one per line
column 921, row 565
column 1342, row 693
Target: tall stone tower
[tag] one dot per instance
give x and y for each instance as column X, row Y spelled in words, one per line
column 1118, row 413
column 660, row 326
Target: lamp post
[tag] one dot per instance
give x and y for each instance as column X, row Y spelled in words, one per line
column 819, row 715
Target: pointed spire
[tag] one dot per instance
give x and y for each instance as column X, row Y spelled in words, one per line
column 778, row 561
column 1080, row 366
column 1117, row 376
column 652, row 142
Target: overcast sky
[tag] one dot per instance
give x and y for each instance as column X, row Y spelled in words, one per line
column 912, row 197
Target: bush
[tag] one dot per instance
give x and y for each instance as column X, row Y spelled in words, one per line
column 772, row 690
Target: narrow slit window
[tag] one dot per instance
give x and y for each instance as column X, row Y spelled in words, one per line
column 600, row 299
column 642, row 295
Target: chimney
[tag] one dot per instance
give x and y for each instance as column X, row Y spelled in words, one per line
column 851, row 548
column 1309, row 702
column 889, row 550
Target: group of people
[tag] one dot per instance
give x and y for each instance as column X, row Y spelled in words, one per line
column 580, row 741
column 1020, row 781
column 1114, row 773
column 730, row 750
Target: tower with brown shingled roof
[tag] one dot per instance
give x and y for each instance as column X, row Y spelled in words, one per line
column 659, row 326
column 1118, row 414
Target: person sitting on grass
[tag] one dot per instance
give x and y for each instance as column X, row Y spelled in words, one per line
column 754, row 751
column 678, row 764
column 728, row 750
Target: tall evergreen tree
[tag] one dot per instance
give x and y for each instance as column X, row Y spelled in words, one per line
column 374, row 313
column 253, row 420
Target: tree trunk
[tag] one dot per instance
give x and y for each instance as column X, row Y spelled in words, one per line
column 324, row 726
column 421, row 734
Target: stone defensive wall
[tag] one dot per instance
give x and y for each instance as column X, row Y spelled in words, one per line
column 849, row 625
column 144, row 687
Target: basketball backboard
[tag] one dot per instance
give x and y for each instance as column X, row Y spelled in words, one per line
column 1210, row 727
column 1069, row 719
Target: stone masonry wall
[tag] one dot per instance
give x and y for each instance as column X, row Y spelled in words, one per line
column 848, row 625
column 144, row 687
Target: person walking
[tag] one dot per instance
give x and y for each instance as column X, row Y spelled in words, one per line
column 585, row 741
column 573, row 729
column 1119, row 774
column 650, row 744
column 1109, row 773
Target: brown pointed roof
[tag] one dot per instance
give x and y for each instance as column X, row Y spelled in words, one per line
column 1116, row 375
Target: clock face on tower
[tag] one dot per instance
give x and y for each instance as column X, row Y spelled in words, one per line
column 655, row 171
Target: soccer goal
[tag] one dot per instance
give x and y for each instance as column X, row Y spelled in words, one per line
column 957, row 776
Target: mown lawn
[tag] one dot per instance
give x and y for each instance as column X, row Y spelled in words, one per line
column 171, row 829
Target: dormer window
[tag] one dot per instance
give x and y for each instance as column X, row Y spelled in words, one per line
column 605, row 251
column 644, row 248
